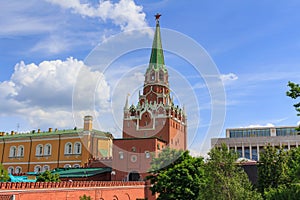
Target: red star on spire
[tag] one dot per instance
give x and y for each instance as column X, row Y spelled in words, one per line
column 157, row 16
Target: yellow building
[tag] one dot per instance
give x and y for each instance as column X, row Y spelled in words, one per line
column 41, row 151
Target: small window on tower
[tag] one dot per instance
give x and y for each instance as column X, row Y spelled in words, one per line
column 121, row 155
column 133, row 149
column 152, row 76
column 147, row 154
column 161, row 76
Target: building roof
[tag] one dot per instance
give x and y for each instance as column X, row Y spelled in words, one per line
column 53, row 133
column 157, row 60
column 80, row 172
column 260, row 127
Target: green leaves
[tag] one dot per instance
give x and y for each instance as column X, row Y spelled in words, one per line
column 48, row 177
column 294, row 93
column 176, row 175
column 3, row 174
column 226, row 179
column 187, row 177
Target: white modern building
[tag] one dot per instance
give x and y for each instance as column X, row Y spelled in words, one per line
column 249, row 142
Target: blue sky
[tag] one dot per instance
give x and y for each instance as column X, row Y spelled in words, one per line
column 255, row 46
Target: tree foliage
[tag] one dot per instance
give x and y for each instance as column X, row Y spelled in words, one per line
column 294, row 165
column 85, row 197
column 294, row 93
column 176, row 175
column 226, row 179
column 272, row 168
column 3, row 174
column 48, row 177
column 283, row 192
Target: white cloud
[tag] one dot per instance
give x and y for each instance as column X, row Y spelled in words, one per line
column 259, row 125
column 124, row 13
column 43, row 93
column 226, row 78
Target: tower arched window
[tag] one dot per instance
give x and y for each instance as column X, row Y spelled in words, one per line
column 47, row 149
column 161, row 75
column 39, row 150
column 77, row 148
column 13, row 151
column 152, row 76
column 21, row 151
column 68, row 148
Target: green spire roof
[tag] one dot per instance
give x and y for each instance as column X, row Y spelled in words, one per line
column 157, row 60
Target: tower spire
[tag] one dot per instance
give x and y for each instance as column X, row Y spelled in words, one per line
column 157, row 60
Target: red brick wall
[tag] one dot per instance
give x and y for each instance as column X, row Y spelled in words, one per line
column 111, row 190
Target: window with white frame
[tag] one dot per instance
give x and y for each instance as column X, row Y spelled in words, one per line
column 67, row 166
column 13, row 151
column 10, row 170
column 121, row 155
column 37, row 169
column 77, row 148
column 76, row 166
column 18, row 170
column 68, row 148
column 39, row 150
column 47, row 149
column 147, row 154
column 46, row 168
column 21, row 151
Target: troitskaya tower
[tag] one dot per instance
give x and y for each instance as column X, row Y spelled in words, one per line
column 155, row 114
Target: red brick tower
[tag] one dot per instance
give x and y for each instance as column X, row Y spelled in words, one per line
column 155, row 115
column 154, row 123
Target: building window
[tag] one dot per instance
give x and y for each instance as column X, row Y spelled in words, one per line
column 46, row 168
column 76, row 166
column 77, row 148
column 67, row 166
column 47, row 149
column 18, row 170
column 39, row 150
column 68, row 148
column 147, row 154
column 133, row 149
column 121, row 155
column 10, row 170
column 152, row 76
column 37, row 169
column 21, row 151
column 13, row 152
column 161, row 75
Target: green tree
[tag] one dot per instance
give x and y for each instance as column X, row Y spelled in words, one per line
column 176, row 175
column 294, row 93
column 47, row 176
column 283, row 192
column 273, row 168
column 85, row 197
column 3, row 174
column 294, row 165
column 226, row 179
